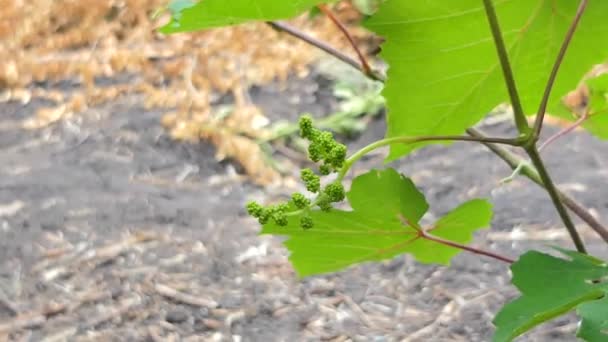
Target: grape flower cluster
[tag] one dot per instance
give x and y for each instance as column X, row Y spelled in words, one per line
column 331, row 155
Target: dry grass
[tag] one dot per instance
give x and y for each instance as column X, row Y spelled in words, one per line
column 50, row 40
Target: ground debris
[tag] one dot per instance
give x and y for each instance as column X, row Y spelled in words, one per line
column 81, row 291
column 107, row 49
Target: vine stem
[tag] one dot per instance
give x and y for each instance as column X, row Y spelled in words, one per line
column 367, row 70
column 475, row 250
column 569, row 129
column 348, row 163
column 553, row 193
column 509, row 158
column 425, row 235
column 520, row 118
column 323, row 46
column 513, row 161
column 410, row 140
column 540, row 114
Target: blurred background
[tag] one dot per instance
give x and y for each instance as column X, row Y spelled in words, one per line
column 81, row 54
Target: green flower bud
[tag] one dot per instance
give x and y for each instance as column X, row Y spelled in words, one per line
column 337, row 155
column 282, row 208
column 324, row 202
column 325, row 169
column 306, row 222
column 311, row 180
column 300, row 201
column 264, row 216
column 315, row 152
column 254, row 209
column 335, row 192
column 306, row 129
column 326, row 141
column 280, row 219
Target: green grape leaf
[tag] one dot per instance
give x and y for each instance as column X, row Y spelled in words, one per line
column 594, row 326
column 598, row 106
column 375, row 187
column 366, row 7
column 177, row 6
column 375, row 229
column 550, row 287
column 191, row 16
column 444, row 74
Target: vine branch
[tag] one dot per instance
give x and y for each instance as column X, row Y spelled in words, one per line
column 425, row 235
column 503, row 56
column 512, row 160
column 323, row 46
column 540, row 115
column 552, row 190
column 466, row 248
column 568, row 129
column 348, row 163
column 367, row 70
column 410, row 140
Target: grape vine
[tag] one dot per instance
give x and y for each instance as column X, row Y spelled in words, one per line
column 450, row 63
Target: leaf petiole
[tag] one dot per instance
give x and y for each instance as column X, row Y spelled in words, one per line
column 423, row 234
column 411, row 140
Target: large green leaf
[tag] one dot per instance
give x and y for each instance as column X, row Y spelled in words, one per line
column 374, row 230
column 188, row 15
column 444, row 73
column 594, row 326
column 550, row 287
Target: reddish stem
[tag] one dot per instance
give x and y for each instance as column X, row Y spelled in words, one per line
column 540, row 114
column 565, row 131
column 423, row 234
column 364, row 65
column 284, row 27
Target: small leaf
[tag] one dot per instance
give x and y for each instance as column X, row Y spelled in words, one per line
column 594, row 326
column 598, row 89
column 598, row 106
column 373, row 230
column 189, row 16
column 549, row 287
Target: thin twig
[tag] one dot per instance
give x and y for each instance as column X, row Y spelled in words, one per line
column 33, row 318
column 184, row 298
column 432, row 327
column 585, row 215
column 423, row 234
column 323, row 46
column 467, row 248
column 4, row 302
column 123, row 307
column 503, row 56
column 563, row 132
column 367, row 70
column 540, row 115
